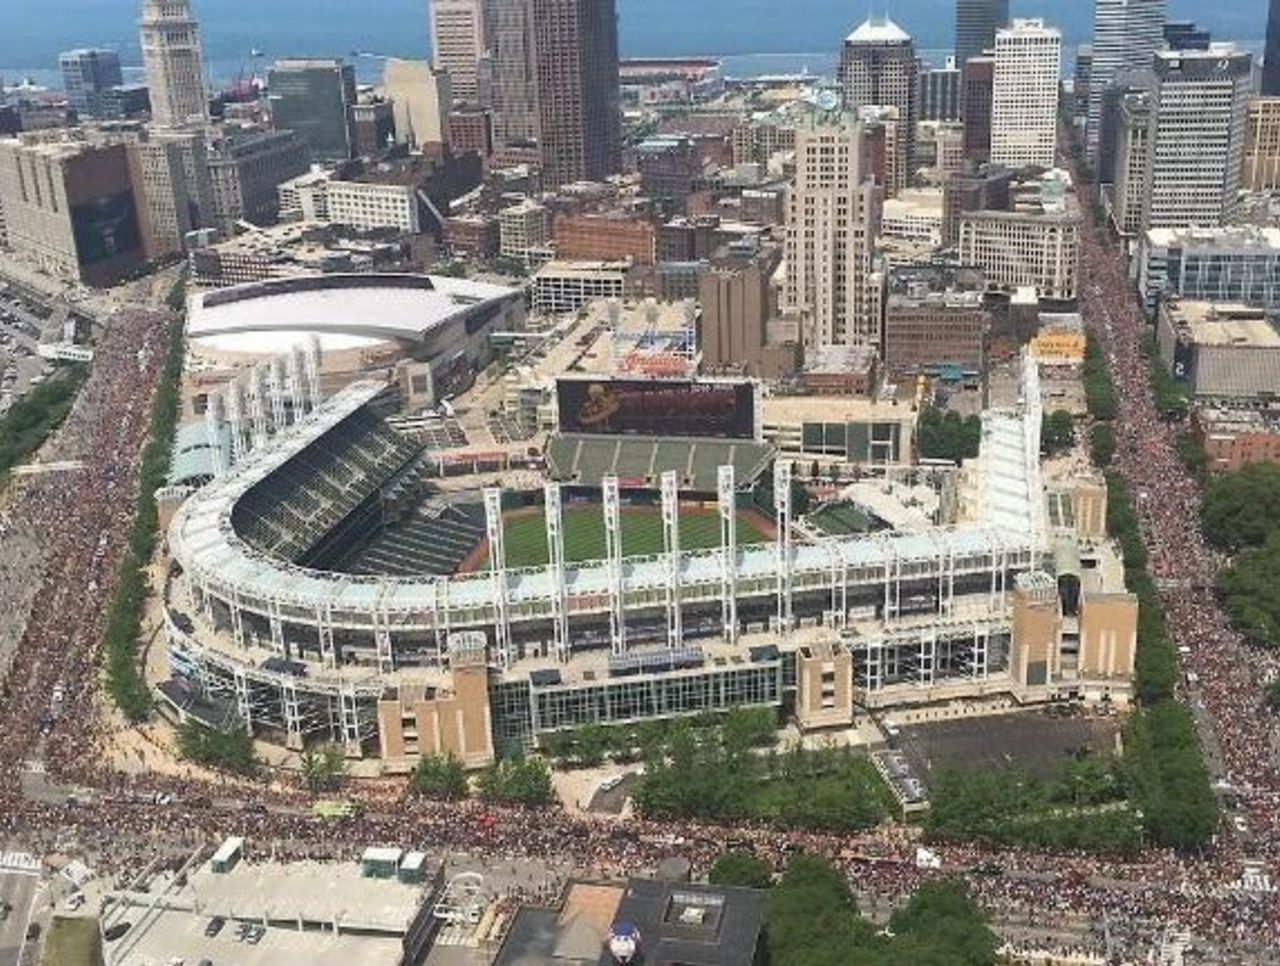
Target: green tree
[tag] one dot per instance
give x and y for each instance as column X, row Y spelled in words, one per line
column 440, row 777
column 229, row 749
column 324, row 768
column 1167, row 773
column 1058, row 432
column 947, row 436
column 1250, row 588
column 517, row 781
column 1100, row 394
column 1272, row 695
column 941, row 924
column 1102, row 445
column 741, row 869
column 1241, row 509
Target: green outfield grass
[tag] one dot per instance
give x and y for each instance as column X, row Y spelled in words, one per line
column 526, row 536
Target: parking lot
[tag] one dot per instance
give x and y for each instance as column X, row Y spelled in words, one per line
column 23, row 325
column 1033, row 740
column 17, row 893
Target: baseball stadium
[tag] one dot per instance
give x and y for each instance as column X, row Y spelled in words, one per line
column 341, row 580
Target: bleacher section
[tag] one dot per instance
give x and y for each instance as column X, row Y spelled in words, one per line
column 436, row 539
column 586, row 460
column 291, row 512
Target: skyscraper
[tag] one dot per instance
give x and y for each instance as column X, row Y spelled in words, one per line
column 1199, row 112
column 1024, row 96
column 175, row 67
column 1271, row 56
column 86, row 73
column 557, row 85
column 313, row 98
column 832, row 220
column 976, row 24
column 1125, row 35
column 458, row 33
column 878, row 68
column 975, row 106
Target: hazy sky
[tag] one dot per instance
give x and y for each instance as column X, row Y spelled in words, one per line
column 33, row 31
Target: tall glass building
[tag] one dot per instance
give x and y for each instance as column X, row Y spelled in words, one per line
column 976, row 24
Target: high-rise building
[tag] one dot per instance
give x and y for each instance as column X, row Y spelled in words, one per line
column 556, row 83
column 86, row 74
column 313, row 98
column 1185, row 35
column 246, row 168
column 832, row 222
column 1199, row 113
column 1271, row 56
column 1024, row 97
column 1261, row 171
column 976, row 24
column 69, row 207
column 1080, row 82
column 1131, row 156
column 940, row 92
column 421, row 96
column 878, row 68
column 175, row 66
column 458, row 32
column 173, row 187
column 975, row 105
column 1125, row 35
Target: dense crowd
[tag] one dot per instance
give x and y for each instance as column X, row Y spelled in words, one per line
column 47, row 708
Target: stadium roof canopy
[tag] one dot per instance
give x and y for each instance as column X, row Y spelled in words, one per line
column 203, row 541
column 345, row 310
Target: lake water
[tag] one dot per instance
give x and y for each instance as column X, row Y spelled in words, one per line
column 754, row 36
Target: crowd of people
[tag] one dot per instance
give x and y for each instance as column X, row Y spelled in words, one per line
column 49, row 705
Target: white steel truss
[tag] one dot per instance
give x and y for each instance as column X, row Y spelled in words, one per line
column 613, row 561
column 726, row 493
column 498, row 572
column 782, row 508
column 213, row 433
column 671, row 558
column 554, row 514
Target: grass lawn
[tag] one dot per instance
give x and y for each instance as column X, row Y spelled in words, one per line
column 526, row 536
column 72, row 942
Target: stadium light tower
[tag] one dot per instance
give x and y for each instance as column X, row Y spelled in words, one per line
column 313, row 371
column 613, row 547
column 275, row 379
column 498, row 572
column 235, row 416
column 213, row 433
column 258, row 405
column 671, row 543
column 726, row 492
column 782, row 506
column 554, row 513
column 296, row 365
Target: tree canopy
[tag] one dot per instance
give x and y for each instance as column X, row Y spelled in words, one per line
column 439, row 777
column 1057, row 432
column 741, row 869
column 1241, row 509
column 229, row 749
column 947, row 436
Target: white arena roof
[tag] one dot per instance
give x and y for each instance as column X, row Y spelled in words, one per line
column 345, row 311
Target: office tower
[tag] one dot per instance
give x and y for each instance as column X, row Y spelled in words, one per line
column 1126, row 82
column 976, row 24
column 1185, row 35
column 421, row 96
column 832, row 221
column 86, row 74
column 458, row 42
column 1125, row 35
column 1080, row 83
column 1024, row 97
column 1131, row 157
column 1261, row 170
column 246, row 168
column 173, row 187
column 975, row 106
column 175, row 68
column 940, row 93
column 981, row 188
column 313, row 98
column 1199, row 112
column 560, row 57
column 878, row 68
column 1271, row 56
column 69, row 207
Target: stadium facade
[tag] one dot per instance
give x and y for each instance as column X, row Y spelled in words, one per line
column 267, row 624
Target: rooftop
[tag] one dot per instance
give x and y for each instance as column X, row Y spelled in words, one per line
column 1236, row 236
column 1221, row 324
column 878, row 30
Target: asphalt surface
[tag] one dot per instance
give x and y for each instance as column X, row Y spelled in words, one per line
column 18, row 890
column 1031, row 740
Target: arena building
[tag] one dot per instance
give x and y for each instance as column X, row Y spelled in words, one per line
column 324, row 587
column 429, row 333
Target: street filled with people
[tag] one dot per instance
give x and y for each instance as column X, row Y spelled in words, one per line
column 52, row 724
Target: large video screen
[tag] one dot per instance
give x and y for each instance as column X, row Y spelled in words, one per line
column 646, row 407
column 105, row 227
